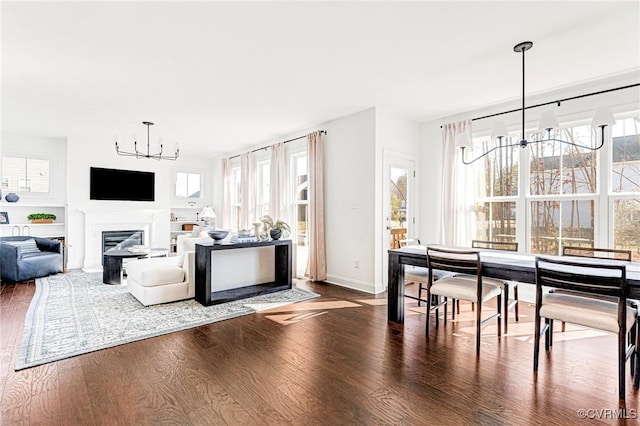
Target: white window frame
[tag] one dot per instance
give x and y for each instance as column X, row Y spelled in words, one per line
column 263, row 208
column 603, row 197
column 294, row 157
column 236, row 196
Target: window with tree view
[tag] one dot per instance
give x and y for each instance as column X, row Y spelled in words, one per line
column 625, row 185
column 497, row 192
column 563, row 191
column 572, row 196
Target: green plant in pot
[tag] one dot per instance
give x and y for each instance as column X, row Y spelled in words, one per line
column 41, row 217
column 276, row 228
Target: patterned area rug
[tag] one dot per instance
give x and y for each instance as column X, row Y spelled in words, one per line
column 75, row 313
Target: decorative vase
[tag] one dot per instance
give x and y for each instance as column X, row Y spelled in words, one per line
column 12, row 197
column 275, row 233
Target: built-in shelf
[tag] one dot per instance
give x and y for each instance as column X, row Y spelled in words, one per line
column 19, row 224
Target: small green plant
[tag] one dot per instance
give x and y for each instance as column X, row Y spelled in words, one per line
column 37, row 216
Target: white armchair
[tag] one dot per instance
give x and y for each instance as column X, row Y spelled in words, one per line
column 165, row 279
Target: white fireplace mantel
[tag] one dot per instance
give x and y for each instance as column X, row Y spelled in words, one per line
column 98, row 220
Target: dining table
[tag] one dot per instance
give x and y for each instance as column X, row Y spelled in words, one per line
column 511, row 266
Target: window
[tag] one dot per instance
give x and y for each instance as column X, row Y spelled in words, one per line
column 563, row 191
column 25, row 175
column 398, row 190
column 236, row 197
column 569, row 195
column 264, row 183
column 624, row 196
column 497, row 192
column 301, row 200
column 188, row 185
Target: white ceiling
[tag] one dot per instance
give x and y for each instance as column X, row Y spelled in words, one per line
column 222, row 77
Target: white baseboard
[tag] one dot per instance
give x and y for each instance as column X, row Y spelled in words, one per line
column 363, row 286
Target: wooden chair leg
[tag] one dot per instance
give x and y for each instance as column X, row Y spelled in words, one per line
column 631, row 339
column 428, row 312
column 636, row 375
column 622, row 362
column 499, row 319
column 458, row 306
column 446, row 302
column 453, row 308
column 478, row 321
column 536, row 340
column 506, row 308
column 546, row 335
column 517, row 299
column 563, row 324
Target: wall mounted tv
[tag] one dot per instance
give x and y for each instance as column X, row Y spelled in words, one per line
column 121, row 185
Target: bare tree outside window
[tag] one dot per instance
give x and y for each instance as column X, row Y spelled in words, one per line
column 625, row 185
column 497, row 189
column 564, row 190
column 398, row 189
column 559, row 172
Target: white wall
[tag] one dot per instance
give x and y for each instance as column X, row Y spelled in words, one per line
column 349, row 151
column 350, row 200
column 52, row 149
column 88, row 151
column 396, row 136
column 430, row 183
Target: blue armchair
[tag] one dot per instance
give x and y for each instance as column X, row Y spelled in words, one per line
column 21, row 261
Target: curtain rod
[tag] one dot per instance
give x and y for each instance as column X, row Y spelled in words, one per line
column 287, row 141
column 556, row 102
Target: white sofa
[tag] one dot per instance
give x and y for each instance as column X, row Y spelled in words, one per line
column 165, row 279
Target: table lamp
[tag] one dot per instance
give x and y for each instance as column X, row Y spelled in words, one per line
column 207, row 215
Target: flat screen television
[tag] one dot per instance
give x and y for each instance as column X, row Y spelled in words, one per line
column 121, row 185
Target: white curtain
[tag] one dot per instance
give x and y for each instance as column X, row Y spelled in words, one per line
column 317, row 263
column 226, row 185
column 248, row 189
column 278, row 200
column 458, row 190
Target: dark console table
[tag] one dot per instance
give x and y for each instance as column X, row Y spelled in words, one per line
column 205, row 275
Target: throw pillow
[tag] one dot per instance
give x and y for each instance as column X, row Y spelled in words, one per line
column 26, row 246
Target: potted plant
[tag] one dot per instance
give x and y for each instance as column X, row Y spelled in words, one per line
column 276, row 228
column 41, row 217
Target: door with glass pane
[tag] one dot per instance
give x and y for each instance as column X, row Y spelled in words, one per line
column 398, row 208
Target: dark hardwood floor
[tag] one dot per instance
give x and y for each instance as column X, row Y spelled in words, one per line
column 324, row 362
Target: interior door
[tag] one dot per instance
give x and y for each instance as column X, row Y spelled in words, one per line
column 398, row 218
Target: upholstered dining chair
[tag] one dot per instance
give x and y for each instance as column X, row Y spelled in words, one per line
column 419, row 275
column 599, row 253
column 508, row 287
column 468, row 284
column 414, row 274
column 595, row 278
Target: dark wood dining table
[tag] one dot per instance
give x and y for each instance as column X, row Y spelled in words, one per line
column 495, row 264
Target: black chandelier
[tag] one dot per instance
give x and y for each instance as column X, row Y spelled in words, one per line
column 140, row 154
column 602, row 118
